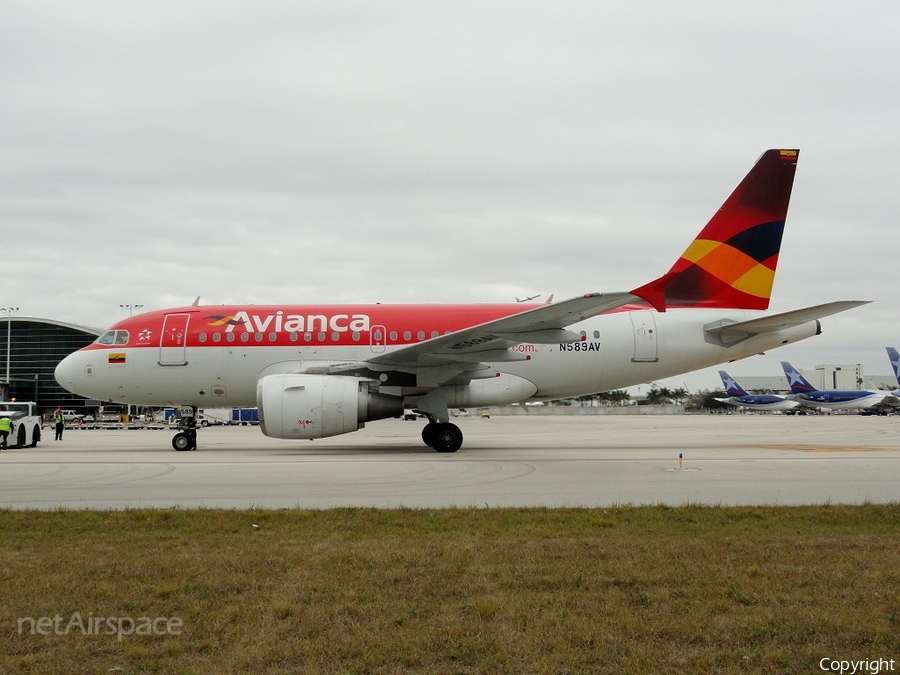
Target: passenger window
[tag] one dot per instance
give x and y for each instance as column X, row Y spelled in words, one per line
column 393, row 336
column 202, row 337
column 407, row 335
column 421, row 335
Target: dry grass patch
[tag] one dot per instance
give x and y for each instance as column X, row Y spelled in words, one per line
column 638, row 590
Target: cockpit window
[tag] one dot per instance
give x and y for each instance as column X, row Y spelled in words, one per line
column 113, row 337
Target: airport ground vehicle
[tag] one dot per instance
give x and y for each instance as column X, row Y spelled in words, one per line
column 26, row 423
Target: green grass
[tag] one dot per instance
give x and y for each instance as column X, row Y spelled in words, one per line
column 621, row 590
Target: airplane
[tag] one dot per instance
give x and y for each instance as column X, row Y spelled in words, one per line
column 738, row 397
column 315, row 371
column 836, row 399
column 527, row 298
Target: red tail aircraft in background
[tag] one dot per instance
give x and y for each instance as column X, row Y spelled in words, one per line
column 321, row 370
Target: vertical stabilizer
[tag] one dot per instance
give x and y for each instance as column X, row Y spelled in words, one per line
column 894, row 356
column 798, row 383
column 731, row 264
column 732, row 388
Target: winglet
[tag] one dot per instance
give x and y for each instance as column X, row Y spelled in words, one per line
column 731, row 264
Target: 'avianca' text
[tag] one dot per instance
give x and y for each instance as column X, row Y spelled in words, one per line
column 294, row 323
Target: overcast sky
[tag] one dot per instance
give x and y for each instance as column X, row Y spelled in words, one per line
column 304, row 152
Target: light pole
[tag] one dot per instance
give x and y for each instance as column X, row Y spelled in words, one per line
column 130, row 307
column 9, row 311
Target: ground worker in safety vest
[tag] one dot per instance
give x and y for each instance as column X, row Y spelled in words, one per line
column 60, row 421
column 5, row 428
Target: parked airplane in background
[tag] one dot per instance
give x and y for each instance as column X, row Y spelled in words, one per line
column 321, row 370
column 738, row 397
column 836, row 399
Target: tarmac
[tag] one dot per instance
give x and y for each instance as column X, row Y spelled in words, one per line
column 540, row 461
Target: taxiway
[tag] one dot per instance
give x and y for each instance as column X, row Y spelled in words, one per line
column 505, row 461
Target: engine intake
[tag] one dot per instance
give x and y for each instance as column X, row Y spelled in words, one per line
column 293, row 405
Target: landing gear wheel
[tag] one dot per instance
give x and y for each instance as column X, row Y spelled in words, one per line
column 184, row 441
column 429, row 431
column 446, row 437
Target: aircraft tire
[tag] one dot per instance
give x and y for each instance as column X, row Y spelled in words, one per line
column 429, row 431
column 447, row 438
column 181, row 442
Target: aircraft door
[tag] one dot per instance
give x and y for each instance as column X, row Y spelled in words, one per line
column 645, row 337
column 378, row 338
column 173, row 343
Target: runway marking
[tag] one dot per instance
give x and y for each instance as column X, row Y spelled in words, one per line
column 819, row 448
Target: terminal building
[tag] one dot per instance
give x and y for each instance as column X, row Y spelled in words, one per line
column 849, row 376
column 30, row 350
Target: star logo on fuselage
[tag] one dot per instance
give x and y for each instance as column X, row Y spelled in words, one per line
column 144, row 336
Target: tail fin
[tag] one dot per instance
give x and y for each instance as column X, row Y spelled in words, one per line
column 731, row 264
column 894, row 356
column 798, row 383
column 732, row 388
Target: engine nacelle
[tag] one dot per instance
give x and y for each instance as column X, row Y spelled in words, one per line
column 293, row 405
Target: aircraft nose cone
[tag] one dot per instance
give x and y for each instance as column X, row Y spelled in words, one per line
column 65, row 373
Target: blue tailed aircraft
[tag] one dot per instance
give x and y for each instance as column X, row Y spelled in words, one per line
column 738, row 397
column 836, row 399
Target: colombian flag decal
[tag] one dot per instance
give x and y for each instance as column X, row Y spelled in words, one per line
column 117, row 357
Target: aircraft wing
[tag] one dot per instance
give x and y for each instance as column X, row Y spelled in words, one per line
column 490, row 341
column 890, row 401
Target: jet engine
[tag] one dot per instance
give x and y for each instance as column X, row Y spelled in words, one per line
column 293, row 405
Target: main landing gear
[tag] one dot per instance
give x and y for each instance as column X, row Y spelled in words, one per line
column 186, row 438
column 442, row 436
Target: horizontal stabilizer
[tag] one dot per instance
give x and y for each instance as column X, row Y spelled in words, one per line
column 785, row 320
